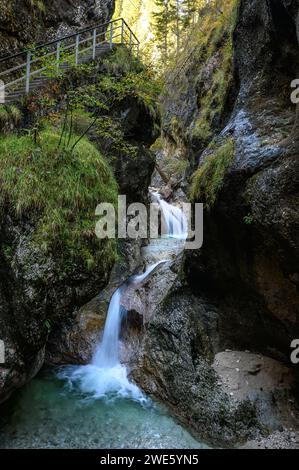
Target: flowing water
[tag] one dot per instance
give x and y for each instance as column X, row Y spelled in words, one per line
column 96, row 406
column 47, row 413
column 175, row 223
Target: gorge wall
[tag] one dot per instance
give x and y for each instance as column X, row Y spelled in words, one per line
column 227, row 113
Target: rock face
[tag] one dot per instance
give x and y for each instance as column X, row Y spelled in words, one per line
column 33, row 293
column 226, row 397
column 50, row 19
column 254, row 223
column 241, row 289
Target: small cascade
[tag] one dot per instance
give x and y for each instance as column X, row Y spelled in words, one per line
column 175, row 222
column 107, row 353
column 106, row 377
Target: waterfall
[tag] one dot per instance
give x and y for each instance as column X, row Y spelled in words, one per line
column 107, row 353
column 105, row 376
column 174, row 219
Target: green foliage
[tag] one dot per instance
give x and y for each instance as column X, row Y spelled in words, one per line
column 172, row 23
column 162, row 20
column 4, row 116
column 14, row 113
column 49, row 63
column 9, row 114
column 121, row 61
column 175, row 166
column 60, row 189
column 48, row 324
column 81, row 120
column 208, row 179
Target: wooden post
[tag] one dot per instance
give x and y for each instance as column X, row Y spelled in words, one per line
column 94, row 44
column 111, row 35
column 77, row 49
column 28, row 72
column 58, row 56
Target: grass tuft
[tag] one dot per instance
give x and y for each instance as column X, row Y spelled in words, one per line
column 208, row 179
column 60, row 189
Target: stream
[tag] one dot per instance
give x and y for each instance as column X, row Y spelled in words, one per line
column 97, row 406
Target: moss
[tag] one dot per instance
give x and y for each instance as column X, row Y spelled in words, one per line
column 37, row 5
column 59, row 189
column 248, row 219
column 157, row 145
column 208, row 178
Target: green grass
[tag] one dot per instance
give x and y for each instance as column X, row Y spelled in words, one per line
column 208, row 179
column 4, row 116
column 60, row 190
column 121, row 62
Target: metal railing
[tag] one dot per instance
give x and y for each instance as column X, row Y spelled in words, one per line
column 20, row 68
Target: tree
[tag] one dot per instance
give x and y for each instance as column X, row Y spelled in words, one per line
column 162, row 26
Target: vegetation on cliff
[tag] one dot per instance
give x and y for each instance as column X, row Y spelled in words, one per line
column 209, row 177
column 58, row 189
column 205, row 66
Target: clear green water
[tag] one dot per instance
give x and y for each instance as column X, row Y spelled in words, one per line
column 47, row 414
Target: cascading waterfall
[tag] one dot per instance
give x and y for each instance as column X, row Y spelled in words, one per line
column 107, row 353
column 106, row 376
column 175, row 221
